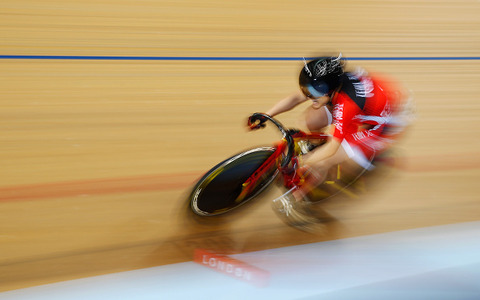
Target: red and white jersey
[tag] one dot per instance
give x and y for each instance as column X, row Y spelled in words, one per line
column 362, row 111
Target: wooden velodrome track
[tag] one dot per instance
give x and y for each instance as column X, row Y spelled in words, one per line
column 97, row 156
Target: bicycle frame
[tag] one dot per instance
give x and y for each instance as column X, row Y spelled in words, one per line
column 288, row 143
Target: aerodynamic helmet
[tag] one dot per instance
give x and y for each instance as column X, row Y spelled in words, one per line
column 321, row 76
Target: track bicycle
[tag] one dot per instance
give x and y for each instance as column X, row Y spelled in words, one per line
column 240, row 178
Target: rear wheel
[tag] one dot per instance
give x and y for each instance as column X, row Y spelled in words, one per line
column 216, row 192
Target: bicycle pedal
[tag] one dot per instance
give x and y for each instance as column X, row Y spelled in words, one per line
column 285, row 203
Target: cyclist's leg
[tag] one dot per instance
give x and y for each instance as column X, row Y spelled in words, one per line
column 315, row 119
column 316, row 176
column 360, row 154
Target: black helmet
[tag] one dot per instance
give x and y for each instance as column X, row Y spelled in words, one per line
column 321, row 76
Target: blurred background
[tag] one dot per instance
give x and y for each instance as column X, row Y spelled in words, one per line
column 110, row 110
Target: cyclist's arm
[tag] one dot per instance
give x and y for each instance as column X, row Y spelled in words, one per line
column 287, row 104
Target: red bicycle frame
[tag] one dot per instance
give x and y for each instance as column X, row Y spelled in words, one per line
column 288, row 166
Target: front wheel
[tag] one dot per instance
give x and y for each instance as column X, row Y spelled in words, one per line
column 216, row 192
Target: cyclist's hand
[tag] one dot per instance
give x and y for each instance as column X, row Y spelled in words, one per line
column 256, row 121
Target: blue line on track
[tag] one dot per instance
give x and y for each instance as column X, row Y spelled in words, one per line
column 193, row 58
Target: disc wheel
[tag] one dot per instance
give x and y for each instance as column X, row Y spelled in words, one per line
column 216, row 192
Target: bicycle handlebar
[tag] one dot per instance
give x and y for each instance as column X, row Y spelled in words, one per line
column 286, row 134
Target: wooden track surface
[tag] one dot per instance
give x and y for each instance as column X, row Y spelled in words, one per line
column 97, row 156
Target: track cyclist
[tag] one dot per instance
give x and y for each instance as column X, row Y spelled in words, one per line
column 364, row 113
